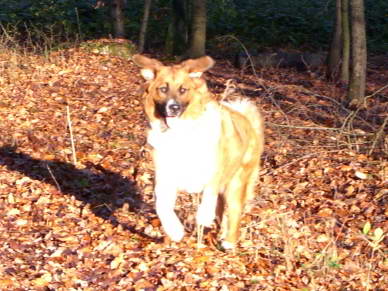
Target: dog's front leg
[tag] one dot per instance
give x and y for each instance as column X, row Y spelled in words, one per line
column 165, row 195
column 206, row 212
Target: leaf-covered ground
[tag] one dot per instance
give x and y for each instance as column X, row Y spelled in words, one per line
column 319, row 221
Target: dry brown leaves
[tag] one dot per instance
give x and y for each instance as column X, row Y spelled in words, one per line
column 315, row 225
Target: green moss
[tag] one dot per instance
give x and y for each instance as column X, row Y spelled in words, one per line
column 123, row 50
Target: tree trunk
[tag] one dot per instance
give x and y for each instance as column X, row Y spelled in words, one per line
column 176, row 41
column 345, row 41
column 334, row 56
column 198, row 29
column 356, row 89
column 144, row 24
column 117, row 7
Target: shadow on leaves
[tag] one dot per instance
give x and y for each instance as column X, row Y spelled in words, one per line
column 102, row 190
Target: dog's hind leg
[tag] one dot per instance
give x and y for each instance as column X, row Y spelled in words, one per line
column 251, row 185
column 165, row 203
column 250, row 190
column 235, row 195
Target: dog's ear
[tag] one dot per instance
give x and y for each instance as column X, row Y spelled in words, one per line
column 197, row 66
column 148, row 66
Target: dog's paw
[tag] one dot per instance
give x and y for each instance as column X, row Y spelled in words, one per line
column 175, row 232
column 205, row 217
column 227, row 245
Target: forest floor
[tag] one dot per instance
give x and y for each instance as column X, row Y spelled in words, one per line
column 81, row 216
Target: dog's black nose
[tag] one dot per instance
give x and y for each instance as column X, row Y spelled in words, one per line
column 174, row 108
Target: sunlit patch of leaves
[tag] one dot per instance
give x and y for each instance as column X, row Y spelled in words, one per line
column 317, row 223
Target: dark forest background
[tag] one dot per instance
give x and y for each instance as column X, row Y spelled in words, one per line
column 299, row 24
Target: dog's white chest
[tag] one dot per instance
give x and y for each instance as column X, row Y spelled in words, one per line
column 186, row 153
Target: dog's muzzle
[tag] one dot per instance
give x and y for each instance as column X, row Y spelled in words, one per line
column 173, row 108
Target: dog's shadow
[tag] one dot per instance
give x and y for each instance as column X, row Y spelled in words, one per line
column 102, row 190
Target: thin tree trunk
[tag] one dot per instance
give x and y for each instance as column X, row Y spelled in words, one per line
column 169, row 42
column 117, row 7
column 345, row 42
column 198, row 29
column 180, row 25
column 176, row 40
column 334, row 56
column 144, row 24
column 356, row 89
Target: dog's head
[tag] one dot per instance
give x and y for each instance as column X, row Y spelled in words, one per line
column 176, row 91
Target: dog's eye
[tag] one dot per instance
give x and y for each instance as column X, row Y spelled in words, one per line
column 182, row 90
column 163, row 89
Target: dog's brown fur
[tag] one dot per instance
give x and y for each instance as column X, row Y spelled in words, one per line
column 211, row 147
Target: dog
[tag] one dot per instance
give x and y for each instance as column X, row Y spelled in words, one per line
column 200, row 145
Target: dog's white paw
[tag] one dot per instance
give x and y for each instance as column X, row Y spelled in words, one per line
column 227, row 245
column 175, row 232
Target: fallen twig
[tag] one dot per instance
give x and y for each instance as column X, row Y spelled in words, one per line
column 320, row 128
column 71, row 135
column 376, row 92
column 52, row 176
column 379, row 134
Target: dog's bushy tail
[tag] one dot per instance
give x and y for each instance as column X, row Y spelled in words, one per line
column 250, row 111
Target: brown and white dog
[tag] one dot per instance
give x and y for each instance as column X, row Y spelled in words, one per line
column 200, row 145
